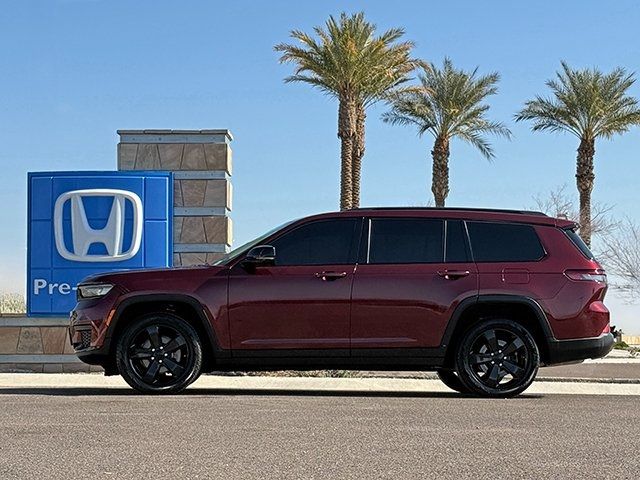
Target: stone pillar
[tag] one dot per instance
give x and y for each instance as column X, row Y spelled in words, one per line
column 201, row 163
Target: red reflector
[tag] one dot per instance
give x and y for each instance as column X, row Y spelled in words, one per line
column 598, row 307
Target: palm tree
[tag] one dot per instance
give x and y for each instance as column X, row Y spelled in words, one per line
column 350, row 62
column 588, row 104
column 448, row 104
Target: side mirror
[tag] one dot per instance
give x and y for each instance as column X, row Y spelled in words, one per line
column 262, row 255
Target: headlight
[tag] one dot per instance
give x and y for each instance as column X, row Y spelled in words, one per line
column 94, row 291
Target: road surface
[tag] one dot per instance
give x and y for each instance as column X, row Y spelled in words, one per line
column 111, row 433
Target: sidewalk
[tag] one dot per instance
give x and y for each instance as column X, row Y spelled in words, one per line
column 87, row 384
column 616, row 374
column 629, row 372
column 619, row 366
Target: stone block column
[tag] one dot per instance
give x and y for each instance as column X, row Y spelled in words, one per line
column 201, row 163
column 38, row 345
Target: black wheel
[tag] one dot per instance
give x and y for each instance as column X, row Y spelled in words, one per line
column 451, row 380
column 497, row 358
column 159, row 353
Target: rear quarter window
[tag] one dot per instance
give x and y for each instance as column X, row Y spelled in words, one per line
column 579, row 243
column 504, row 242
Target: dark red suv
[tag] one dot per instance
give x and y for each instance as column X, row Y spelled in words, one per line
column 483, row 297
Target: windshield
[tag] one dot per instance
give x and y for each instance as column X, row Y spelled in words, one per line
column 236, row 252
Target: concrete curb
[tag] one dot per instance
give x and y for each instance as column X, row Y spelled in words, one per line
column 297, row 385
column 631, row 381
column 614, row 360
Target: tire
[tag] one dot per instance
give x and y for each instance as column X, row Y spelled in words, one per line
column 497, row 358
column 451, row 380
column 159, row 353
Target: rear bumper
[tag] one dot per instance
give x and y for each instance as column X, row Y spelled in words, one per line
column 568, row 351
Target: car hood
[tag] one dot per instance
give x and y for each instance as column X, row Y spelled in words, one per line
column 159, row 279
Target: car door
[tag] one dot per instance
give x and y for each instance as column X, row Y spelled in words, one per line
column 412, row 276
column 512, row 260
column 302, row 302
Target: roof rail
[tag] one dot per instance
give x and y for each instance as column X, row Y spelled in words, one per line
column 472, row 209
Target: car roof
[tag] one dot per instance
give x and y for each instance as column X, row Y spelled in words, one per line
column 463, row 213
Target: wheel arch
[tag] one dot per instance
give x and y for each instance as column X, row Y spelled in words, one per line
column 518, row 308
column 186, row 307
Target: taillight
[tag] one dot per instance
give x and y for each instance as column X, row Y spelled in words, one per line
column 587, row 275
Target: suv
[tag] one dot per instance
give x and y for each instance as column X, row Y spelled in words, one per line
column 483, row 297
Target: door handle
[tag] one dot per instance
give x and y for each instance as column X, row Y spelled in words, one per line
column 329, row 276
column 453, row 274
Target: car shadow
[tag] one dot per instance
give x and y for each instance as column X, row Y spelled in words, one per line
column 263, row 392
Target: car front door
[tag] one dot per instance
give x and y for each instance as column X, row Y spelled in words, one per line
column 302, row 302
column 412, row 276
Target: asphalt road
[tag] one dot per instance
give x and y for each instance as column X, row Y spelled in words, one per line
column 627, row 371
column 83, row 433
column 602, row 371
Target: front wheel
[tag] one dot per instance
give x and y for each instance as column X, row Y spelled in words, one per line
column 497, row 358
column 159, row 353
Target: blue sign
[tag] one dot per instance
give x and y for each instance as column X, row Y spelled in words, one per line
column 83, row 223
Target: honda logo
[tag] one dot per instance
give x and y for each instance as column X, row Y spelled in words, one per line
column 111, row 236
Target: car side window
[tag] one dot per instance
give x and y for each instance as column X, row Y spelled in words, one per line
column 323, row 242
column 456, row 249
column 504, row 242
column 406, row 240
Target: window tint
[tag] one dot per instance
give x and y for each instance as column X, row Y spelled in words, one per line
column 326, row 242
column 504, row 242
column 578, row 242
column 456, row 245
column 406, row 240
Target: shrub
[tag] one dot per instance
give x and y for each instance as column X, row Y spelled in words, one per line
column 621, row 345
column 12, row 303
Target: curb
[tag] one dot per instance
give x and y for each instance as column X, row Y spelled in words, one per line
column 621, row 381
column 93, row 384
column 433, row 376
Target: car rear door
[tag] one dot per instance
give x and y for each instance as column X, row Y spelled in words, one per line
column 512, row 260
column 412, row 275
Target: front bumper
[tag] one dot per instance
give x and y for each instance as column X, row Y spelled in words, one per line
column 82, row 338
column 88, row 326
column 571, row 351
column 95, row 356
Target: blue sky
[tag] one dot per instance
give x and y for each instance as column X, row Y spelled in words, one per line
column 74, row 71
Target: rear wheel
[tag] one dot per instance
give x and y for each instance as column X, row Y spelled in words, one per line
column 451, row 380
column 497, row 358
column 160, row 353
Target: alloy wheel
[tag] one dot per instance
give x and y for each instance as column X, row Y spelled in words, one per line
column 497, row 358
column 159, row 355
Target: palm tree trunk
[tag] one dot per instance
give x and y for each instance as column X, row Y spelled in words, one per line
column 346, row 133
column 440, row 173
column 358, row 153
column 585, row 179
